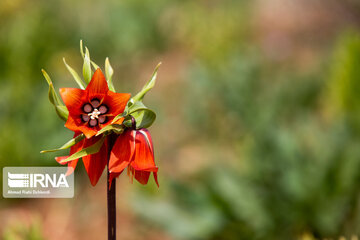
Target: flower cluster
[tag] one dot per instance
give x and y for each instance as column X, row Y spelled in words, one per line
column 110, row 129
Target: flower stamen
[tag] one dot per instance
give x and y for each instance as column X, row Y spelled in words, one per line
column 94, row 114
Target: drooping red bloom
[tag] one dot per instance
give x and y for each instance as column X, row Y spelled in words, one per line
column 133, row 149
column 89, row 111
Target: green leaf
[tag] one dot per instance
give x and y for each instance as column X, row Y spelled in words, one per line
column 117, row 128
column 60, row 109
column 136, row 106
column 128, row 123
column 149, row 85
column 69, row 144
column 82, row 49
column 86, row 151
column 144, row 118
column 76, row 76
column 95, row 66
column 119, row 116
column 62, row 112
column 87, row 67
column 53, row 97
column 108, row 73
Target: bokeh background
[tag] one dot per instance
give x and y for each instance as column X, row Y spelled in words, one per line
column 258, row 102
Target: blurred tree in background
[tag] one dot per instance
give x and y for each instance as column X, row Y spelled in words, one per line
column 258, row 133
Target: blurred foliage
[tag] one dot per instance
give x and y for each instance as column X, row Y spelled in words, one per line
column 283, row 143
column 36, row 35
column 296, row 138
column 21, row 232
column 344, row 83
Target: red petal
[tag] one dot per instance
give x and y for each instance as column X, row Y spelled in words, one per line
column 122, row 152
column 156, row 178
column 60, row 159
column 116, row 102
column 71, row 167
column 75, row 124
column 95, row 163
column 146, row 133
column 97, row 85
column 142, row 176
column 144, row 156
column 73, row 98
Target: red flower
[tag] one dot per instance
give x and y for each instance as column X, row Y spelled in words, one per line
column 133, row 149
column 93, row 108
column 89, row 111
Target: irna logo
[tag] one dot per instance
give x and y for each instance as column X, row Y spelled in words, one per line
column 18, row 180
column 37, row 182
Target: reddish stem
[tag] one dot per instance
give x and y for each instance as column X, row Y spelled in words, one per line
column 111, row 196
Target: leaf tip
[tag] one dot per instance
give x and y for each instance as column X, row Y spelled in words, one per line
column 158, row 66
column 81, row 48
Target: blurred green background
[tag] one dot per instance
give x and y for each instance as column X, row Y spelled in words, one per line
column 258, row 104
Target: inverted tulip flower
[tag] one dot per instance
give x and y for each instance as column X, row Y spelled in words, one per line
column 134, row 150
column 109, row 129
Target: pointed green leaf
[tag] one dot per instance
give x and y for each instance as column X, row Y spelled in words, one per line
column 144, row 118
column 46, row 76
column 69, row 144
column 85, row 151
column 117, row 128
column 130, row 103
column 87, row 67
column 82, row 49
column 95, row 66
column 149, row 85
column 76, row 76
column 60, row 109
column 108, row 73
column 53, row 97
column 62, row 112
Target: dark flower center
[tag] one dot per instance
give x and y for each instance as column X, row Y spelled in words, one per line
column 94, row 113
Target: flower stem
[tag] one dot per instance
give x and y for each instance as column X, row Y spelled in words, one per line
column 111, row 196
column 111, row 204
